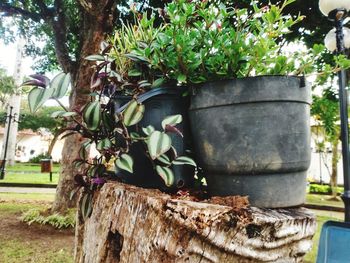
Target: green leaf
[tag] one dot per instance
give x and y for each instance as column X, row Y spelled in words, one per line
column 95, row 58
column 57, row 114
column 125, row 162
column 148, row 130
column 164, row 159
column 134, row 73
column 158, row 82
column 158, row 143
column 86, row 206
column 166, row 174
column 60, row 84
column 136, row 58
column 77, row 163
column 184, row 160
column 37, row 97
column 133, row 113
column 73, row 193
column 103, row 144
column 181, row 78
column 69, row 114
column 92, row 115
column 134, row 135
column 82, row 153
column 172, row 120
column 61, row 113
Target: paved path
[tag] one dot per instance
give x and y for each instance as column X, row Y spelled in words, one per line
column 27, row 190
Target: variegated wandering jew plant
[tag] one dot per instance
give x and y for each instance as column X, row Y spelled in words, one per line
column 100, row 123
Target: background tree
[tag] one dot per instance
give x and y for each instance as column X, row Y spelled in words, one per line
column 325, row 109
column 71, row 30
column 40, row 119
column 7, row 87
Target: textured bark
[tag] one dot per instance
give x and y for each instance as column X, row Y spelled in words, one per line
column 130, row 224
column 93, row 32
column 334, row 175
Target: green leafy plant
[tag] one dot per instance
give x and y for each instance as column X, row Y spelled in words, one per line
column 42, row 217
column 111, row 130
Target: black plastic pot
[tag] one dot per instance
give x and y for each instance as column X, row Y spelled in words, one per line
column 159, row 103
column 252, row 137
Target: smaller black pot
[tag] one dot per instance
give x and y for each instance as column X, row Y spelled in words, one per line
column 159, row 103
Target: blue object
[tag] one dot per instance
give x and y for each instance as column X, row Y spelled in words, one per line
column 334, row 245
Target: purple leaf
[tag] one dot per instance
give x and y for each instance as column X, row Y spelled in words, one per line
column 102, row 75
column 41, row 78
column 106, row 49
column 34, row 82
column 98, row 181
column 173, row 129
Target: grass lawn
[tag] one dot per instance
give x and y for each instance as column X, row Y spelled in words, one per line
column 40, row 244
column 29, row 173
column 25, row 196
column 316, row 199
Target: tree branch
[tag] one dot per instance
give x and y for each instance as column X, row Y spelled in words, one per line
column 59, row 27
column 10, row 10
column 46, row 12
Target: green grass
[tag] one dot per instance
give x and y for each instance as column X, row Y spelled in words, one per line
column 29, row 173
column 20, row 243
column 316, row 199
column 9, row 208
column 15, row 251
column 27, row 196
column 30, row 167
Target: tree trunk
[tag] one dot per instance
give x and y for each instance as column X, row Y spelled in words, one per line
column 130, row 224
column 93, row 32
column 334, row 175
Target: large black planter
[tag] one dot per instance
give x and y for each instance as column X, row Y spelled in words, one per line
column 159, row 103
column 252, row 137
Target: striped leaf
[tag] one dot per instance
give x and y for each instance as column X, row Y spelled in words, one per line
column 60, row 84
column 172, row 120
column 57, row 114
column 62, row 113
column 164, row 159
column 133, row 113
column 158, row 143
column 92, row 115
column 148, row 130
column 125, row 162
column 166, row 174
column 86, row 206
column 69, row 114
column 37, row 97
column 158, row 82
column 184, row 160
column 95, row 58
column 104, row 144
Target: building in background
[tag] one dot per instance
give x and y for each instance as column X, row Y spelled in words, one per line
column 31, row 144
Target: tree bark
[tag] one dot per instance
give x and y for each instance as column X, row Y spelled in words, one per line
column 130, row 224
column 334, row 175
column 92, row 34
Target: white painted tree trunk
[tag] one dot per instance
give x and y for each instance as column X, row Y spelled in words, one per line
column 134, row 225
column 15, row 103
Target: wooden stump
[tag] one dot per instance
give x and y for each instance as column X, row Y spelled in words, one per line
column 132, row 225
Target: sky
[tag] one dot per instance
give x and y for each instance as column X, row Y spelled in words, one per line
column 7, row 62
column 8, row 57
